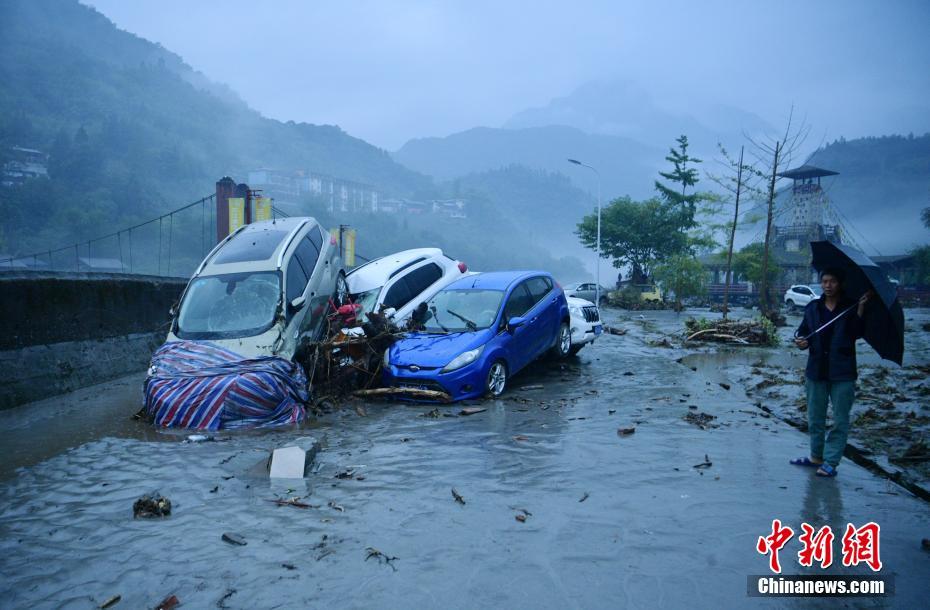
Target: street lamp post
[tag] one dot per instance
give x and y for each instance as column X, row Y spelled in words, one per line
column 597, row 265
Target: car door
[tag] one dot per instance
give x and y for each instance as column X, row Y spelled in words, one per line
column 544, row 313
column 587, row 292
column 418, row 280
column 520, row 343
column 317, row 294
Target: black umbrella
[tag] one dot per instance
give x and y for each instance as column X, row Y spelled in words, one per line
column 883, row 323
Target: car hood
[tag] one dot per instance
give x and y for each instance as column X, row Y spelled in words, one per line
column 435, row 350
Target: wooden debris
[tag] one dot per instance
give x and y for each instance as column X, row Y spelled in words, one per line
column 111, row 602
column 472, row 410
column 410, row 392
column 701, row 420
column 169, row 603
column 742, row 332
column 705, row 464
column 626, row 431
column 381, row 557
column 295, row 502
column 458, row 497
column 234, row 539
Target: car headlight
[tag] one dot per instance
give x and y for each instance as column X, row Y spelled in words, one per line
column 387, row 358
column 574, row 310
column 463, row 359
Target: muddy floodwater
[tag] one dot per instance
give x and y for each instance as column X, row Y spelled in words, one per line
column 561, row 505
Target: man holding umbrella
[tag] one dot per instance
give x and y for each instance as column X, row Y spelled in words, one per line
column 849, row 279
column 831, row 336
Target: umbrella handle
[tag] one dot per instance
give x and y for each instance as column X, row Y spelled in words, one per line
column 829, row 322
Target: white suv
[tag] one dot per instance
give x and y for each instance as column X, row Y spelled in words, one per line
column 402, row 281
column 263, row 288
column 799, row 295
column 586, row 322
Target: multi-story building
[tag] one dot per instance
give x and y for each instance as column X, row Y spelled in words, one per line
column 24, row 164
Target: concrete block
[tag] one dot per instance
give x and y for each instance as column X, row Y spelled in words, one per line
column 291, row 462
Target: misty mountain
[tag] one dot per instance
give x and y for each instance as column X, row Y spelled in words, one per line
column 621, row 108
column 625, row 166
column 133, row 131
column 883, row 184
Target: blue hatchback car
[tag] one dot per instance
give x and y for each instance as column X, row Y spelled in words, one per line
column 482, row 329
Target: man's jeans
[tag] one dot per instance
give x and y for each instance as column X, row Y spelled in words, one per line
column 841, row 394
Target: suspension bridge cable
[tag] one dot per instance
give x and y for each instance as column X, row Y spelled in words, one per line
column 9, row 260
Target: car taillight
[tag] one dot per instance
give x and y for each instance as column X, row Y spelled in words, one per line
column 558, row 285
column 463, row 267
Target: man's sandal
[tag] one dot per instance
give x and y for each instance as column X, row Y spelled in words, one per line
column 805, row 461
column 826, row 470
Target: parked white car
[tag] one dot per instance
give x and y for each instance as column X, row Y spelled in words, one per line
column 800, row 295
column 403, row 280
column 263, row 289
column 585, row 291
column 585, row 322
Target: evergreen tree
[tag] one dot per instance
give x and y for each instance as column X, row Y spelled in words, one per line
column 682, row 204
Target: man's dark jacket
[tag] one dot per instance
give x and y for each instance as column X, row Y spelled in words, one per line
column 841, row 353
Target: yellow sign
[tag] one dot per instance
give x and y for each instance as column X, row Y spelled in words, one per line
column 261, row 208
column 236, row 213
column 348, row 250
column 346, row 246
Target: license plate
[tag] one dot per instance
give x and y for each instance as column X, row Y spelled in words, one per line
column 413, row 386
column 598, row 329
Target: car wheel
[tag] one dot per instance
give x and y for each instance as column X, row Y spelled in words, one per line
column 341, row 294
column 563, row 344
column 790, row 304
column 497, row 379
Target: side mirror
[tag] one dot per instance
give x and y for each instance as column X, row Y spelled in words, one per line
column 298, row 303
column 515, row 323
column 173, row 312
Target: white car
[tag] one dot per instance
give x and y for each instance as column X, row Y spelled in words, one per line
column 799, row 295
column 263, row 289
column 403, row 280
column 585, row 322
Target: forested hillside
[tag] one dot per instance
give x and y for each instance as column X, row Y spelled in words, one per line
column 133, row 131
column 883, row 184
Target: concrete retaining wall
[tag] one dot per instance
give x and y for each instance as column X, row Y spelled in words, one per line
column 63, row 331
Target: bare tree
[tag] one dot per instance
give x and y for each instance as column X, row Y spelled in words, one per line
column 740, row 179
column 776, row 155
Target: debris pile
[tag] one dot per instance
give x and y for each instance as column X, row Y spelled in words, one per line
column 151, row 507
column 348, row 357
column 743, row 332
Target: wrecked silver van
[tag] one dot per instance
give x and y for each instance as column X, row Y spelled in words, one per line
column 263, row 289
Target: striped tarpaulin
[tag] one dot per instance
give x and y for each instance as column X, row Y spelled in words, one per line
column 200, row 385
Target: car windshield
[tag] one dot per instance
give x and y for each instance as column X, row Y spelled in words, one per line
column 230, row 305
column 463, row 310
column 367, row 299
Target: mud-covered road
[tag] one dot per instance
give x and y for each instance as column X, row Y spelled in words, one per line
column 665, row 516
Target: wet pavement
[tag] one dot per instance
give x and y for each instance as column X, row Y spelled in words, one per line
column 609, row 520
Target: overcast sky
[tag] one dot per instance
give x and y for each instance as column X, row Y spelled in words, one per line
column 391, row 71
